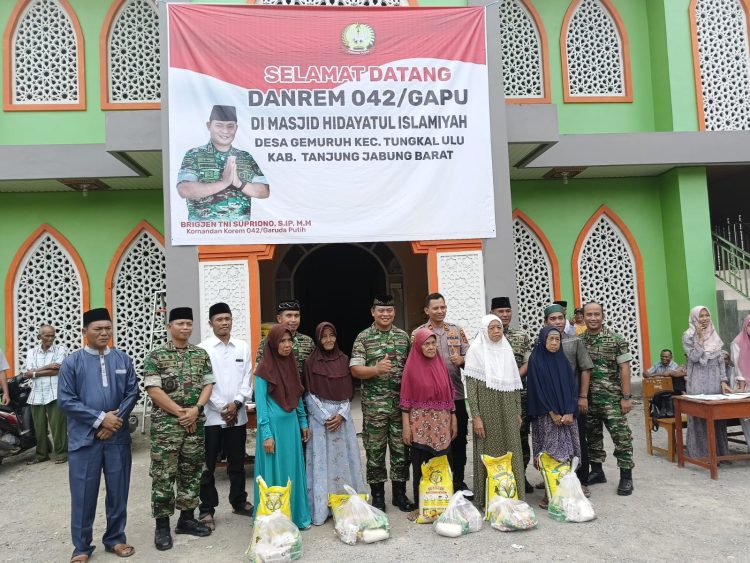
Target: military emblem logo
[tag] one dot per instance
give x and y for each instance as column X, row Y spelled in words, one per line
column 358, row 38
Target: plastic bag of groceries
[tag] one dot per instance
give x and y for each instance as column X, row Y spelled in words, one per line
column 569, row 504
column 358, row 521
column 459, row 518
column 276, row 539
column 510, row 514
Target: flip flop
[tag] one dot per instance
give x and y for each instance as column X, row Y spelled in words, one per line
column 82, row 558
column 207, row 520
column 412, row 516
column 120, row 549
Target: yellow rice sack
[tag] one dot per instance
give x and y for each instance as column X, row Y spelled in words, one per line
column 435, row 489
column 500, row 479
column 273, row 499
column 553, row 471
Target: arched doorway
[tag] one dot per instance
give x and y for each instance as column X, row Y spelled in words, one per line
column 336, row 282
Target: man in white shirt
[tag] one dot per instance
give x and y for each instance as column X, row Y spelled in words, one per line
column 226, row 418
column 42, row 366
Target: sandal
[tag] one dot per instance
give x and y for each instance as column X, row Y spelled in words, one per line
column 82, row 558
column 544, row 503
column 246, row 509
column 412, row 516
column 207, row 520
column 120, row 549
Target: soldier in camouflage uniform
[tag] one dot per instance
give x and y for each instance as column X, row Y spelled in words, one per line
column 288, row 313
column 378, row 357
column 217, row 179
column 609, row 398
column 178, row 378
column 521, row 344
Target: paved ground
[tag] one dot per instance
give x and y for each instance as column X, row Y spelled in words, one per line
column 675, row 514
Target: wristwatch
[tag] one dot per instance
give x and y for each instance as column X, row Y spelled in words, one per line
column 627, row 397
column 238, row 404
column 200, row 408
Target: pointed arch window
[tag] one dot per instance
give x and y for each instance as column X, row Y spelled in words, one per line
column 130, row 60
column 537, row 272
column 136, row 274
column 43, row 58
column 525, row 54
column 48, row 285
column 607, row 268
column 721, row 60
column 595, row 53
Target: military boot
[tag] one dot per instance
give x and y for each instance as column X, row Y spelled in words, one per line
column 596, row 475
column 187, row 524
column 400, row 499
column 162, row 535
column 625, row 487
column 378, row 495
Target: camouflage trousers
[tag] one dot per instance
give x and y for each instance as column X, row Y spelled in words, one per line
column 604, row 410
column 177, row 460
column 381, row 429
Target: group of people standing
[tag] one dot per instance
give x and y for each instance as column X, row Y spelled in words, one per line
column 415, row 405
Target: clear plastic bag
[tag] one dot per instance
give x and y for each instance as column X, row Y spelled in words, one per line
column 358, row 521
column 569, row 504
column 275, row 539
column 459, row 518
column 509, row 515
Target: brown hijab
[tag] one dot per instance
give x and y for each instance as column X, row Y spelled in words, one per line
column 280, row 372
column 327, row 374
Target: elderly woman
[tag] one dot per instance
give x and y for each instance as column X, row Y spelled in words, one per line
column 706, row 374
column 427, row 405
column 332, row 453
column 552, row 401
column 741, row 360
column 282, row 423
column 494, row 393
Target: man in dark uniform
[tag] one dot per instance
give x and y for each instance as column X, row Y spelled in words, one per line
column 288, row 314
column 217, row 179
column 179, row 380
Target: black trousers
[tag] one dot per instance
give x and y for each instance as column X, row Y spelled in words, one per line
column 418, row 457
column 583, row 469
column 458, row 445
column 525, row 449
column 231, row 442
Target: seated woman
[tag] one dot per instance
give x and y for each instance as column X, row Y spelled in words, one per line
column 552, row 401
column 493, row 389
column 281, row 420
column 706, row 374
column 427, row 406
column 741, row 360
column 332, row 454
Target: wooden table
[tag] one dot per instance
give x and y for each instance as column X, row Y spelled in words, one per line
column 710, row 411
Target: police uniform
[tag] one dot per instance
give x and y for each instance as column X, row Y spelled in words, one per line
column 521, row 344
column 206, row 164
column 607, row 350
column 177, row 457
column 381, row 413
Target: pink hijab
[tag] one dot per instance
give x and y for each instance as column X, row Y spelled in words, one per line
column 711, row 341
column 426, row 383
column 743, row 341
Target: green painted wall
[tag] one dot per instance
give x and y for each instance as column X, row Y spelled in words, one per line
column 635, row 201
column 95, row 225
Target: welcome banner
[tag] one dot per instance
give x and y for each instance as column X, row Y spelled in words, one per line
column 313, row 125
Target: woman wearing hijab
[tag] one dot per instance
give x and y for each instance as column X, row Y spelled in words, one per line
column 333, row 453
column 706, row 374
column 494, row 392
column 552, row 402
column 741, row 360
column 281, row 420
column 428, row 409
